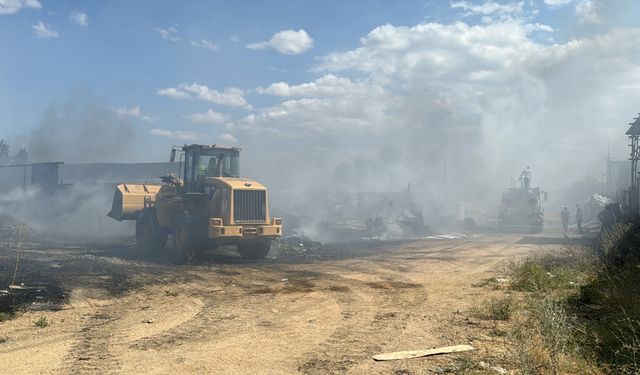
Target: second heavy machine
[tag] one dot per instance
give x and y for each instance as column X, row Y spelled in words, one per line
column 521, row 210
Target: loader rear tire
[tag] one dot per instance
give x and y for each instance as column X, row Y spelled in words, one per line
column 149, row 235
column 257, row 250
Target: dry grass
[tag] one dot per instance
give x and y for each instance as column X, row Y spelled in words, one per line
column 498, row 308
column 545, row 336
column 4, row 316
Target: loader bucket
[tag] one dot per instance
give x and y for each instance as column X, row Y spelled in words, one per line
column 130, row 199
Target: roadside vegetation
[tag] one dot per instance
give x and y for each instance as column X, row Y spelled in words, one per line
column 573, row 312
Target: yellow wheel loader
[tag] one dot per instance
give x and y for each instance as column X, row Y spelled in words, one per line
column 206, row 206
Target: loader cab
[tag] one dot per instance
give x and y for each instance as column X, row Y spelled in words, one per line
column 208, row 161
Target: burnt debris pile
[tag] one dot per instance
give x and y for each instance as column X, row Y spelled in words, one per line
column 300, row 246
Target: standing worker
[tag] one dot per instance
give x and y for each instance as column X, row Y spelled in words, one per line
column 525, row 178
column 579, row 218
column 564, row 215
column 608, row 217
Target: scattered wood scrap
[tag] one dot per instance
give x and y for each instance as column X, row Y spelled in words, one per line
column 422, row 353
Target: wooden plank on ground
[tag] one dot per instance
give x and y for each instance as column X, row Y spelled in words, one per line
column 422, row 353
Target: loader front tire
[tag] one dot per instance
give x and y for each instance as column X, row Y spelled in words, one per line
column 185, row 244
column 149, row 235
column 256, row 250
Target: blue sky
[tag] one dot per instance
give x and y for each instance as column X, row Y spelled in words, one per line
column 396, row 83
column 120, row 57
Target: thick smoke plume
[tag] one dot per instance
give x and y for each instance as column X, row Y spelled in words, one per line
column 486, row 99
column 81, row 129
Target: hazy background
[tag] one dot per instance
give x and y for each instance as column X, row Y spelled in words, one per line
column 485, row 87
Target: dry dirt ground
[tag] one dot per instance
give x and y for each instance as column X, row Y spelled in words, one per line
column 119, row 311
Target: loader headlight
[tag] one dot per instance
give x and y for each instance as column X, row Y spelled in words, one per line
column 277, row 221
column 215, row 222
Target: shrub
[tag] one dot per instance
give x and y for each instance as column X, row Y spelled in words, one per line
column 42, row 322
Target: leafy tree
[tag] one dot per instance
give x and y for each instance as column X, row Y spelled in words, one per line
column 5, row 152
column 21, row 157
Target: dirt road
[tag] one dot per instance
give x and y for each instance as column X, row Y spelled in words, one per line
column 127, row 313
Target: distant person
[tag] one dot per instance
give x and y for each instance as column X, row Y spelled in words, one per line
column 579, row 218
column 525, row 178
column 608, row 217
column 564, row 215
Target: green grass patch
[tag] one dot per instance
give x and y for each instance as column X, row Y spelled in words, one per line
column 42, row 322
column 562, row 274
column 499, row 308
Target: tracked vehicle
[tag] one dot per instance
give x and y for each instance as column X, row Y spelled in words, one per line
column 206, row 206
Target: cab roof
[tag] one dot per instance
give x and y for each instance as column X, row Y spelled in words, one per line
column 209, row 147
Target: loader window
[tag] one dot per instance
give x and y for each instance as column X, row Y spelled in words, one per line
column 224, row 164
column 209, row 163
column 189, row 181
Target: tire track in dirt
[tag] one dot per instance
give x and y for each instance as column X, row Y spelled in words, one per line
column 202, row 326
column 90, row 353
column 362, row 332
column 347, row 344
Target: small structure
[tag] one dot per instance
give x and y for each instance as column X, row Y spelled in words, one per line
column 634, row 192
column 45, row 175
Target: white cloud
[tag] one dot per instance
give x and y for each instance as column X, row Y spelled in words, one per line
column 587, row 12
column 288, row 42
column 132, row 112
column 232, row 97
column 388, row 50
column 557, row 3
column 45, row 31
column 229, row 138
column 489, row 7
column 168, row 34
column 174, row 93
column 176, row 134
column 203, row 43
column 328, row 85
column 209, row 117
column 14, row 6
column 79, row 17
column 234, row 38
column 329, row 104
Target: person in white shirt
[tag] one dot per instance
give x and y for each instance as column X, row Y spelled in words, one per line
column 525, row 178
